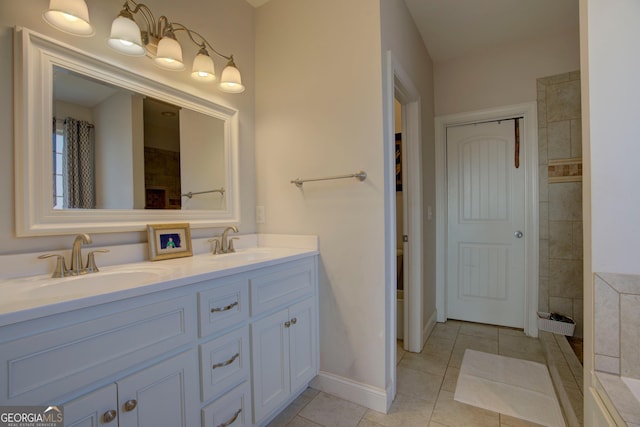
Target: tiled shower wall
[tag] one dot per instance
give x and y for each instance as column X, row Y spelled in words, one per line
column 560, row 163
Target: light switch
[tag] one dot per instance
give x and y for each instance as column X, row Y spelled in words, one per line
column 259, row 214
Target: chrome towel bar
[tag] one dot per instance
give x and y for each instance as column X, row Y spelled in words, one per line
column 191, row 194
column 360, row 176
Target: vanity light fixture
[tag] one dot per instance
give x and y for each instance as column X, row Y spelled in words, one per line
column 157, row 40
column 70, row 16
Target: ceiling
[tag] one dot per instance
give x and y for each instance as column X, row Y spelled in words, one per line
column 453, row 28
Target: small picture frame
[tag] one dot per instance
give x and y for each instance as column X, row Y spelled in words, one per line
column 169, row 241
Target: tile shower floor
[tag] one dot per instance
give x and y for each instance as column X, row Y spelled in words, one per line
column 426, row 385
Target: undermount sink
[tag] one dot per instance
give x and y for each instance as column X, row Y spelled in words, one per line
column 76, row 286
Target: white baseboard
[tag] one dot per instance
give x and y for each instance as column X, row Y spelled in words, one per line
column 428, row 328
column 353, row 391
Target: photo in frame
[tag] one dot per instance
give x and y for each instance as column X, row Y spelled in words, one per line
column 169, row 241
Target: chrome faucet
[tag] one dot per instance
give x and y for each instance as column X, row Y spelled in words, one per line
column 76, row 269
column 76, row 254
column 226, row 244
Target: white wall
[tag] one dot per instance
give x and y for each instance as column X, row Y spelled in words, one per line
column 137, row 130
column 202, row 165
column 400, row 35
column 114, row 152
column 614, row 91
column 62, row 110
column 611, row 200
column 319, row 113
column 503, row 75
column 228, row 24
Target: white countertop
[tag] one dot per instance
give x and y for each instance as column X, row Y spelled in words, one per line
column 26, row 298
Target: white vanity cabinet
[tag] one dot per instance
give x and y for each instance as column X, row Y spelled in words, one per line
column 199, row 351
column 283, row 336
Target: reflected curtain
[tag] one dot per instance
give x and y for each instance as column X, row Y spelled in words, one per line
column 78, row 165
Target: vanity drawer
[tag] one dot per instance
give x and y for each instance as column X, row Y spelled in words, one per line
column 223, row 306
column 38, row 368
column 277, row 286
column 224, row 363
column 232, row 409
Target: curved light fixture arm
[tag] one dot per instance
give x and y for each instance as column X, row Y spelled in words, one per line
column 203, row 42
column 147, row 15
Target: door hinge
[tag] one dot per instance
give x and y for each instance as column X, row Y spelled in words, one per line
column 405, row 238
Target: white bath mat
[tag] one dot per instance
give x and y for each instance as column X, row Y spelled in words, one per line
column 514, row 387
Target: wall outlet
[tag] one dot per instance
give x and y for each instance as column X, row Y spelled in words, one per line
column 259, row 214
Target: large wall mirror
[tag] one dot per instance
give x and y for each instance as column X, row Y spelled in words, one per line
column 102, row 149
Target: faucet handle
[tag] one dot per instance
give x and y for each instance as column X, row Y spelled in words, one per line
column 230, row 248
column 216, row 245
column 91, row 261
column 61, row 266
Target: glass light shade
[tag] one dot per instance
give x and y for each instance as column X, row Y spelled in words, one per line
column 203, row 69
column 169, row 54
column 70, row 16
column 230, row 80
column 125, row 37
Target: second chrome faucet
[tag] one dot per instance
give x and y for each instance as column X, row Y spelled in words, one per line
column 225, row 244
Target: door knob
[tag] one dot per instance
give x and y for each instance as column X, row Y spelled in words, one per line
column 518, row 234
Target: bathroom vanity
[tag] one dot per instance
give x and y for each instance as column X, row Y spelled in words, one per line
column 209, row 340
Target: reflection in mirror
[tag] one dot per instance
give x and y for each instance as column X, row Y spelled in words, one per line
column 118, row 149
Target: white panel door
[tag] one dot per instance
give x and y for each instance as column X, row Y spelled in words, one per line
column 485, row 247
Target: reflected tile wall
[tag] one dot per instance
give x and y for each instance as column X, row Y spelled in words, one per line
column 560, row 137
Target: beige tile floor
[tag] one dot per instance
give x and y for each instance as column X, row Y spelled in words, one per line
column 426, row 385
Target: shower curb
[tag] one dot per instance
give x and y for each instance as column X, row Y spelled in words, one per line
column 566, row 374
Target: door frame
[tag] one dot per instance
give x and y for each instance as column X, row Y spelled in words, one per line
column 398, row 85
column 529, row 135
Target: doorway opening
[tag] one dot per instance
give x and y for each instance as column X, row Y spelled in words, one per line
column 529, row 150
column 402, row 324
column 399, row 87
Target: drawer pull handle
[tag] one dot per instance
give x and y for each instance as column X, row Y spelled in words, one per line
column 225, row 308
column 109, row 416
column 293, row 321
column 231, row 420
column 130, row 405
column 227, row 362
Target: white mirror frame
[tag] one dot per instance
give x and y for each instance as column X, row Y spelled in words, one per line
column 35, row 56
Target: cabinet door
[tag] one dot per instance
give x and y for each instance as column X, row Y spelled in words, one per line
column 270, row 363
column 163, row 395
column 302, row 343
column 93, row 409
